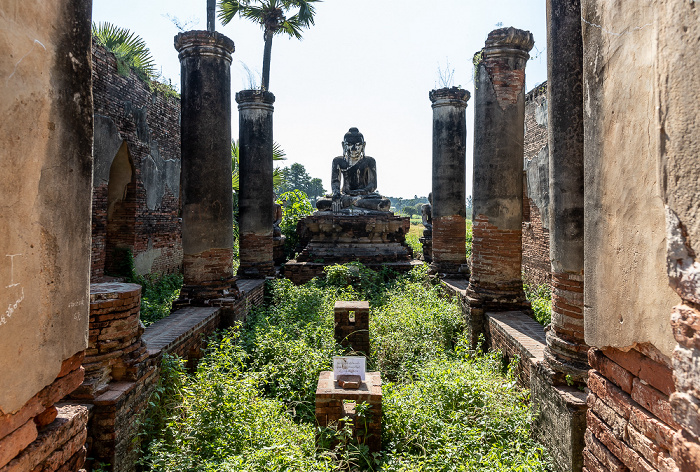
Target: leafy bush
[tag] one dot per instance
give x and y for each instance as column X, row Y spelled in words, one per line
column 250, row 405
column 224, row 423
column 459, row 414
column 295, row 206
column 158, row 292
column 414, row 325
column 469, row 238
column 540, row 297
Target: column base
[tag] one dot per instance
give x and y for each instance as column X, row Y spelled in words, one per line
column 450, row 269
column 203, row 293
column 568, row 360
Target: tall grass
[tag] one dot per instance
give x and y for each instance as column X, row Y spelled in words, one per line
column 250, row 405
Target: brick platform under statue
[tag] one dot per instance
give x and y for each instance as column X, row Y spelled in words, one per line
column 325, row 238
column 334, row 403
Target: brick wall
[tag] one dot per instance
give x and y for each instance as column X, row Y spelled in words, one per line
column 630, row 422
column 44, row 434
column 685, row 321
column 496, row 255
column 149, row 123
column 536, row 263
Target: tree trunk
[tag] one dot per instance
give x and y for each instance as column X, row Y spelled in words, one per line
column 266, row 61
column 211, row 10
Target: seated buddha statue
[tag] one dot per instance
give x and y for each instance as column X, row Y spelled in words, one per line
column 353, row 179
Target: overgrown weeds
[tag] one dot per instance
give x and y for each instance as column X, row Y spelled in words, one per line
column 250, row 404
column 158, row 292
column 540, row 297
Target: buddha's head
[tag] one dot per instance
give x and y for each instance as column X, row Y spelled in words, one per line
column 353, row 145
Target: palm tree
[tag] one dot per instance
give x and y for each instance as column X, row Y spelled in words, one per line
column 278, row 154
column 129, row 49
column 272, row 16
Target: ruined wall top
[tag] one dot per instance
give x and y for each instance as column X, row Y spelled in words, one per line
column 510, row 38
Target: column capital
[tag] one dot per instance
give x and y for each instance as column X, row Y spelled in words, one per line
column 449, row 96
column 204, row 43
column 508, row 42
column 248, row 99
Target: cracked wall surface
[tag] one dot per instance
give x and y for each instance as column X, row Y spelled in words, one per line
column 627, row 295
column 45, row 180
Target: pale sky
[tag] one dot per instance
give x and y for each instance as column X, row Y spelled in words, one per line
column 366, row 63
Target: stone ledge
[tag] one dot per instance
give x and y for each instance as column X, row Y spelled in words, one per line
column 168, row 333
column 516, row 334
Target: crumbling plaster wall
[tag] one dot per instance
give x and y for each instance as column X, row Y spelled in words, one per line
column 45, row 183
column 627, row 296
column 679, row 129
column 148, row 123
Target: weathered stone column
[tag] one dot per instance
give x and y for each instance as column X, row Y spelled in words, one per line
column 207, row 203
column 449, row 180
column 566, row 350
column 499, row 116
column 255, row 198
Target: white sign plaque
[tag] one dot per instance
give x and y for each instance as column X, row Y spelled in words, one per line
column 349, row 365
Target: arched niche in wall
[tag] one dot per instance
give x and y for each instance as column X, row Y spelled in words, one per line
column 121, row 212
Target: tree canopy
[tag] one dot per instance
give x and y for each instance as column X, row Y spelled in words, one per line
column 274, row 17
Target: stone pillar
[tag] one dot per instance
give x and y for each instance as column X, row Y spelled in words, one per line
column 499, row 119
column 207, row 200
column 566, row 350
column 449, row 180
column 255, row 198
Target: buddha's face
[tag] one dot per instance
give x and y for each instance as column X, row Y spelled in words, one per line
column 354, row 149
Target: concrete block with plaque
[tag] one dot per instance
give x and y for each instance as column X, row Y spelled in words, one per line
column 334, row 402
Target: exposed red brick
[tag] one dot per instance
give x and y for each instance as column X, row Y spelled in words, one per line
column 610, row 370
column 507, row 83
column 449, row 234
column 208, row 266
column 602, row 455
column 654, row 401
column 72, row 363
column 14, row 443
column 46, row 417
column 496, row 254
column 41, row 401
column 133, row 224
column 655, row 374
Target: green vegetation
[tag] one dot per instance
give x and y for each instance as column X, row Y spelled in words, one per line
column 540, row 297
column 295, row 177
column 273, row 16
column 158, row 292
column 250, row 404
column 470, row 237
column 295, row 205
column 131, row 53
column 415, row 232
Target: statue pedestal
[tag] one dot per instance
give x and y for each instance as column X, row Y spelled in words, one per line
column 376, row 239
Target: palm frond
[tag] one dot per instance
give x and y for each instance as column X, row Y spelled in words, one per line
column 228, row 9
column 128, row 47
column 278, row 153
